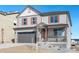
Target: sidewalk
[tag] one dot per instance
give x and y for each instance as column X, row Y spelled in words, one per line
column 9, row 45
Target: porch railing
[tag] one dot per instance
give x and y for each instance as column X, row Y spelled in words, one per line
column 56, row 39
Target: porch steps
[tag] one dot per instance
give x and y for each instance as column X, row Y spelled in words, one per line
column 52, row 46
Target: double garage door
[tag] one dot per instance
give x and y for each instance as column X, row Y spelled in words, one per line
column 26, row 37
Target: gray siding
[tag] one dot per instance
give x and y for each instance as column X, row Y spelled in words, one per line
column 50, row 33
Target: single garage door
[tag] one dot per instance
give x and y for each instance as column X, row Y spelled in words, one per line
column 26, row 37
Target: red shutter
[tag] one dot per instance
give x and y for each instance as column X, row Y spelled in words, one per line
column 17, row 22
column 36, row 20
column 26, row 21
column 31, row 21
column 48, row 19
column 41, row 19
column 22, row 21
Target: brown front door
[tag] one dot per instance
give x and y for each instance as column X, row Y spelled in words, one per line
column 43, row 33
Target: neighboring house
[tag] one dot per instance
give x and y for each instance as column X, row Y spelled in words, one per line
column 6, row 26
column 75, row 41
column 34, row 27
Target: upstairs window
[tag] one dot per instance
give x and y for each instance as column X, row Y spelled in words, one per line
column 24, row 21
column 53, row 19
column 34, row 20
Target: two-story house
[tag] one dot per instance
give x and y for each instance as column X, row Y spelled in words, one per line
column 34, row 27
column 6, row 26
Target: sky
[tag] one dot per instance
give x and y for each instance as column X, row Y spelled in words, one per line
column 73, row 9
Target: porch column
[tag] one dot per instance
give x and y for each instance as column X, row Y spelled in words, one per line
column 65, row 34
column 46, row 34
column 37, row 34
column 16, row 37
column 2, row 33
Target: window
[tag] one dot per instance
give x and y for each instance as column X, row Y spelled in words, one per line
column 34, row 20
column 55, row 32
column 24, row 21
column 53, row 19
column 58, row 32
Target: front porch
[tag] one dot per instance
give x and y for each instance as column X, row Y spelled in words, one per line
column 51, row 33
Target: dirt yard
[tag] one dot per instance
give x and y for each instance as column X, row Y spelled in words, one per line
column 23, row 49
column 33, row 49
column 77, row 47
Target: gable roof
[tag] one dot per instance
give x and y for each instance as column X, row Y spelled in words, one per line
column 48, row 13
column 33, row 9
column 30, row 8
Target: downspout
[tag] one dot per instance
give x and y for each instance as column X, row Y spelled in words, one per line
column 2, row 32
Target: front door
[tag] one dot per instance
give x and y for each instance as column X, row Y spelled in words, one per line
column 43, row 33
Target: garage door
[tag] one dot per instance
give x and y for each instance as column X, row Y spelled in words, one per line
column 26, row 37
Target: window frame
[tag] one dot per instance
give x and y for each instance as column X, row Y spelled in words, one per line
column 32, row 20
column 24, row 22
column 58, row 31
column 54, row 20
